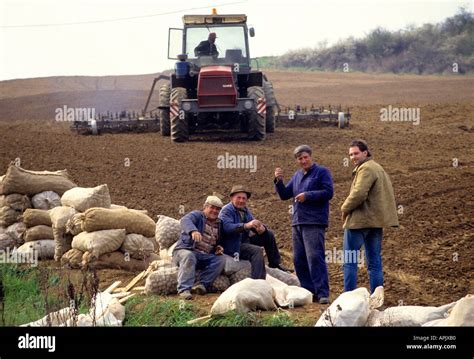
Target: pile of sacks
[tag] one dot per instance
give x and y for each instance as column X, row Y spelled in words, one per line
column 164, row 279
column 95, row 233
column 45, row 214
column 358, row 308
column 25, row 199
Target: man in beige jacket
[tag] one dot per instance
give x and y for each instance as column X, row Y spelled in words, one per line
column 369, row 207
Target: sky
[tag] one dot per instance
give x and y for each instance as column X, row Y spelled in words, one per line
column 103, row 37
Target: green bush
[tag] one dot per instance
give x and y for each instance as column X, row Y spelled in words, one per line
column 424, row 50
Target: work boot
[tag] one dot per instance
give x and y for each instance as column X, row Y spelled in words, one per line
column 199, row 289
column 323, row 300
column 186, row 294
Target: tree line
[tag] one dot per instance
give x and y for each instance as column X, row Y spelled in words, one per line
column 444, row 47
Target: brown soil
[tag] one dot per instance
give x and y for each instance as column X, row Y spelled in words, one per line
column 426, row 260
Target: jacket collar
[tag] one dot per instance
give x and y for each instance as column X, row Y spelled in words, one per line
column 367, row 159
column 245, row 209
column 313, row 166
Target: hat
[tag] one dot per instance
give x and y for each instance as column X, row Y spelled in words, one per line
column 214, row 201
column 213, row 34
column 303, row 148
column 239, row 188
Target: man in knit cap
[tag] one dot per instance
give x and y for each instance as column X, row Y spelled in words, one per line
column 198, row 248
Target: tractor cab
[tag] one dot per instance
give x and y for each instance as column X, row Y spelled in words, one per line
column 231, row 47
column 213, row 85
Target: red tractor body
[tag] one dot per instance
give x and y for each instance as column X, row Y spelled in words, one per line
column 216, row 87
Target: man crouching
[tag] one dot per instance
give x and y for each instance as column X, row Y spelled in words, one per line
column 198, row 248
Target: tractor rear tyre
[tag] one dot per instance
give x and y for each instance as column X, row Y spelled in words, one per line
column 256, row 123
column 179, row 124
column 164, row 100
column 270, row 117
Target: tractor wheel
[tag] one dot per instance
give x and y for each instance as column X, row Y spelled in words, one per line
column 244, row 124
column 256, row 123
column 179, row 124
column 271, row 105
column 164, row 100
column 341, row 121
column 270, row 119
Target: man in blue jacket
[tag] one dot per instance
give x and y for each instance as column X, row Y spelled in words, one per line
column 312, row 189
column 198, row 248
column 244, row 236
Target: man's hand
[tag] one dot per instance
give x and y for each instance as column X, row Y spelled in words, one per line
column 255, row 223
column 261, row 229
column 219, row 250
column 279, row 174
column 300, row 198
column 197, row 237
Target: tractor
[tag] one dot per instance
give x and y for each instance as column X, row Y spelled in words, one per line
column 218, row 89
column 213, row 87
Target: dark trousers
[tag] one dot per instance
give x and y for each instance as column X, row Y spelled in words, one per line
column 310, row 260
column 267, row 241
column 254, row 254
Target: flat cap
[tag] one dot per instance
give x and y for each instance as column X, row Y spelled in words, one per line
column 302, row 148
column 214, row 201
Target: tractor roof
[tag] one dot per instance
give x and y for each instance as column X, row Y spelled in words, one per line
column 214, row 19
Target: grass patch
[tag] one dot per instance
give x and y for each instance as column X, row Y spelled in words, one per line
column 162, row 312
column 280, row 319
column 251, row 319
column 233, row 319
column 158, row 312
column 30, row 293
column 22, row 300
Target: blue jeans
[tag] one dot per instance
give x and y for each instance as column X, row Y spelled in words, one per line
column 371, row 238
column 310, row 260
column 188, row 261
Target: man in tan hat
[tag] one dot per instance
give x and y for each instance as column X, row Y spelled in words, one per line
column 243, row 235
column 198, row 246
column 207, row 47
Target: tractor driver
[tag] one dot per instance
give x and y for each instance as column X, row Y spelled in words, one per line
column 207, row 47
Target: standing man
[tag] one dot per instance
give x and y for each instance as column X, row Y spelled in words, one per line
column 207, row 47
column 369, row 207
column 312, row 189
column 198, row 248
column 243, row 235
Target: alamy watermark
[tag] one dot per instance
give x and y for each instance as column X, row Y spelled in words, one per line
column 28, row 341
column 340, row 256
column 400, row 114
column 15, row 257
column 237, row 162
column 66, row 113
